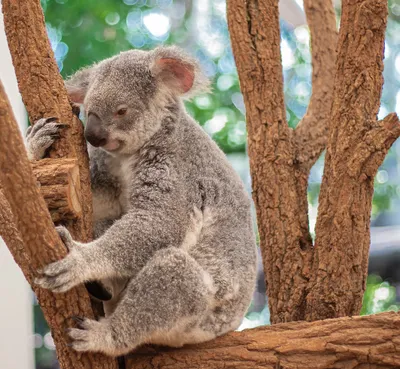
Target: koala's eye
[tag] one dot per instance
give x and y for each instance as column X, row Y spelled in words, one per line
column 122, row 111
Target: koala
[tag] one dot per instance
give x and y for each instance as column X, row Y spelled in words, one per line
column 174, row 245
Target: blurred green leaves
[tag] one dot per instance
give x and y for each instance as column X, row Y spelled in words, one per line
column 379, row 296
column 82, row 33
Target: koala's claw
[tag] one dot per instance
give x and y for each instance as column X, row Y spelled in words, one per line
column 64, row 274
column 66, row 237
column 33, row 130
column 79, row 320
column 60, row 276
column 41, row 136
column 91, row 336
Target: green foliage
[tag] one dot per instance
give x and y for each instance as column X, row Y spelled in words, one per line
column 379, row 296
column 84, row 32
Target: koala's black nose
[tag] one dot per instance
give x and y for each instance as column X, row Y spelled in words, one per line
column 95, row 134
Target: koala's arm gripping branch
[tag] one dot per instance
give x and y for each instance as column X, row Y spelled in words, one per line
column 131, row 241
column 33, row 241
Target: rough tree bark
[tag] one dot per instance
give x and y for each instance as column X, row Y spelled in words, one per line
column 369, row 342
column 280, row 162
column 44, row 95
column 357, row 145
column 28, row 231
column 280, row 158
column 58, row 181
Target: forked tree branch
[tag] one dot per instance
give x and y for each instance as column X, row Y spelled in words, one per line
column 44, row 94
column 42, row 245
column 357, row 146
column 311, row 134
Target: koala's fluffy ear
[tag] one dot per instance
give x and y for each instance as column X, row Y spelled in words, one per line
column 78, row 84
column 178, row 72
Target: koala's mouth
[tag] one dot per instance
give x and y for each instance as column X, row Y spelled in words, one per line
column 112, row 145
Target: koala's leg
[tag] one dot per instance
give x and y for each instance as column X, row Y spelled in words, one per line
column 166, row 300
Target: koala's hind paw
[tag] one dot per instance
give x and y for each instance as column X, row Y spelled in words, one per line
column 41, row 136
column 92, row 336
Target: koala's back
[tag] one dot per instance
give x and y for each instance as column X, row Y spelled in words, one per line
column 220, row 235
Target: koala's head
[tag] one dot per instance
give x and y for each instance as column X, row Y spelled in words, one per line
column 126, row 97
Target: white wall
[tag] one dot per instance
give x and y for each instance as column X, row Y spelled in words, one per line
column 16, row 318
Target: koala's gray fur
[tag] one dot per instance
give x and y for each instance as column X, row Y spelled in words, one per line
column 174, row 239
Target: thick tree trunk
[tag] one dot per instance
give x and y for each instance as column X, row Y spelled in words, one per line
column 357, row 145
column 280, row 158
column 368, row 342
column 328, row 281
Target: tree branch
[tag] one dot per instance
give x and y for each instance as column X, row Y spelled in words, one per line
column 58, row 181
column 12, row 237
column 311, row 134
column 371, row 151
column 370, row 341
column 357, row 146
column 33, row 227
column 281, row 209
column 44, row 95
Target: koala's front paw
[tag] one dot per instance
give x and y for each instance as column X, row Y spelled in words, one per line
column 92, row 336
column 66, row 237
column 41, row 136
column 64, row 274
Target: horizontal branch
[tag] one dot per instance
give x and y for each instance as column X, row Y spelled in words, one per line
column 367, row 342
column 59, row 186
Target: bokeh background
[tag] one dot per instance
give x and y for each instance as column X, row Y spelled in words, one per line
column 83, row 32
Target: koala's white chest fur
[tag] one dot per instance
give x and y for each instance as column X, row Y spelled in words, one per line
column 113, row 204
column 124, row 170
